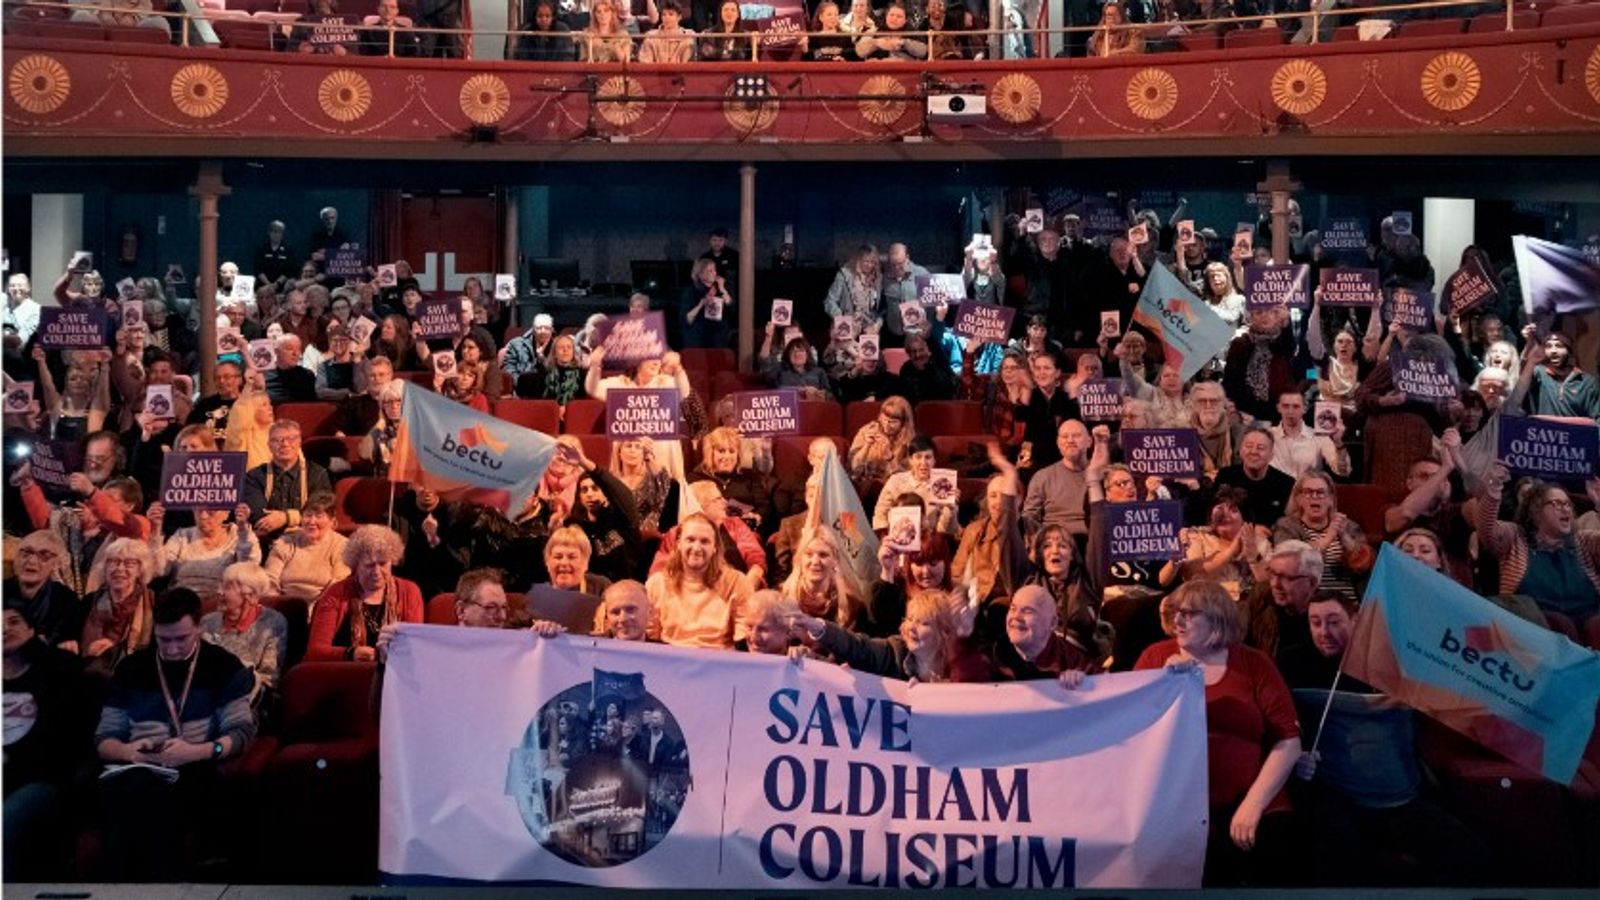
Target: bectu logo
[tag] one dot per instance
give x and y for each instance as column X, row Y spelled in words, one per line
column 1477, row 647
column 475, row 445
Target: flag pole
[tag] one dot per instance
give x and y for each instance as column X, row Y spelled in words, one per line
column 389, row 523
column 1327, row 705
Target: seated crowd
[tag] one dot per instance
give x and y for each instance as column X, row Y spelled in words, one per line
column 1015, row 582
column 675, row 31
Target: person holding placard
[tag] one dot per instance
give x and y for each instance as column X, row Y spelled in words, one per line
column 195, row 556
column 81, row 408
column 916, row 478
column 1296, row 449
column 1003, row 395
column 1540, row 554
column 1263, row 363
column 1131, row 590
column 633, row 462
column 707, row 307
column 1342, row 371
column 793, row 365
column 856, row 292
column 1394, row 435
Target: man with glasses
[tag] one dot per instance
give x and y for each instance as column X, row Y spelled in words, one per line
column 1267, row 489
column 481, row 600
column 1278, row 622
column 277, row 489
column 213, row 411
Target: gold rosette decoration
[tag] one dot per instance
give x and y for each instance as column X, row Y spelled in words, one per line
column 614, row 101
column 1016, row 98
column 40, row 84
column 748, row 115
column 1450, row 81
column 1152, row 93
column 877, row 111
column 1299, row 86
column 485, row 99
column 1591, row 74
column 345, row 95
column 199, row 91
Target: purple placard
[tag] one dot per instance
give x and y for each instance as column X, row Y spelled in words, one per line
column 1412, row 309
column 50, row 465
column 985, row 323
column 439, row 318
column 1469, row 288
column 767, row 413
column 1351, row 287
column 633, row 413
column 940, row 288
column 782, row 30
column 202, row 480
column 1549, row 449
column 1100, row 216
column 630, row 339
column 1163, row 452
column 1100, row 399
column 1345, row 239
column 1423, row 378
column 1143, row 531
column 347, row 262
column 1268, row 286
column 72, row 329
column 325, row 30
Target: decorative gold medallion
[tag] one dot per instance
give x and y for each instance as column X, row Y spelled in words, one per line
column 614, row 101
column 879, row 111
column 40, row 84
column 1016, row 98
column 1450, row 81
column 485, row 99
column 345, row 95
column 1152, row 93
column 1591, row 74
column 199, row 91
column 749, row 114
column 1299, row 86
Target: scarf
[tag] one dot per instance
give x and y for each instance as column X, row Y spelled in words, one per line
column 272, row 469
column 1258, row 370
column 1216, row 443
column 358, row 618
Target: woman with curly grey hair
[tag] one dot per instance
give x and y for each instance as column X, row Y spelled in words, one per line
column 351, row 612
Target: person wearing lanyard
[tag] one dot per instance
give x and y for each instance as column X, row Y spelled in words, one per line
column 173, row 712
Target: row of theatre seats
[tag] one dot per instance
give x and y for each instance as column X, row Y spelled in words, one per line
column 1488, row 23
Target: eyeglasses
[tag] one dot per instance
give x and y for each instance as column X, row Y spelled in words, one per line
column 1120, row 483
column 1314, row 493
column 1279, row 576
column 1559, row 503
column 494, row 610
column 123, row 563
column 44, row 555
column 283, row 441
column 1185, row 613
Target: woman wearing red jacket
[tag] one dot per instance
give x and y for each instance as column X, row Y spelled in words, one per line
column 350, row 613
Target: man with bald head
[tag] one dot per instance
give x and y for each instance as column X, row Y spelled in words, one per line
column 1058, row 493
column 1031, row 648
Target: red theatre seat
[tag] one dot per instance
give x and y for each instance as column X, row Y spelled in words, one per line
column 1489, row 23
column 1253, row 37
column 858, row 414
column 322, row 784
column 893, row 359
column 1364, row 504
column 321, row 450
column 725, row 383
column 710, row 359
column 539, row 415
column 949, row 417
column 318, row 419
column 949, row 449
column 360, row 501
column 821, row 417
column 55, row 29
column 1431, row 28
column 298, row 614
column 597, row 447
column 585, row 416
column 441, row 610
column 1207, row 41
column 1574, row 14
column 236, row 34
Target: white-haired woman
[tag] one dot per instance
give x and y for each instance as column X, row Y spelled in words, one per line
column 258, row 635
column 119, row 613
column 195, row 556
column 766, row 619
column 377, row 447
column 351, row 612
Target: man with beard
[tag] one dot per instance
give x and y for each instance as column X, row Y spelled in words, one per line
column 1558, row 387
column 1267, row 489
column 899, row 286
column 1219, row 433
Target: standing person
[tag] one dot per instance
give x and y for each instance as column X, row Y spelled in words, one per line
column 1049, row 406
column 1313, row 516
column 1266, row 488
column 719, row 252
column 21, row 311
column 856, row 293
column 1058, row 494
column 274, row 264
column 707, row 307
column 1253, row 737
column 901, row 275
column 1297, row 449
column 1540, row 554
column 182, row 704
column 1556, row 385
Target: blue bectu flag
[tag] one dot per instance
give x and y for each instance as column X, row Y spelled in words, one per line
column 839, row 508
column 1555, row 279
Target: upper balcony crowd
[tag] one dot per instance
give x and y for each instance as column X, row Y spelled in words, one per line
column 679, row 31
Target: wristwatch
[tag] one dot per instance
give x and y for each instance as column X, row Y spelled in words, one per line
column 216, row 749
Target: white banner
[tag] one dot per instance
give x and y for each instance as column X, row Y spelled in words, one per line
column 509, row 758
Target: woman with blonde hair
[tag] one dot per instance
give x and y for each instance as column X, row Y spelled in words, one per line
column 633, row 461
column 881, row 447
column 605, row 40
column 927, row 648
column 350, row 613
column 695, row 599
column 823, row 583
column 720, row 452
column 248, row 423
column 119, row 619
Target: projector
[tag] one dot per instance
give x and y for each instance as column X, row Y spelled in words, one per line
column 957, row 108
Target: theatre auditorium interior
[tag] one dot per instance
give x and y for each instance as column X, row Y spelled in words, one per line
column 464, row 446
